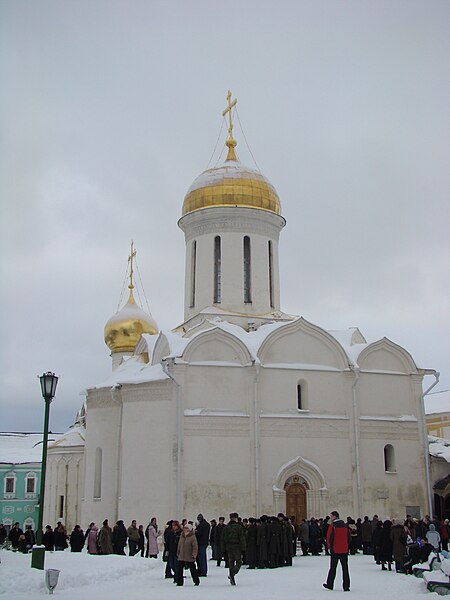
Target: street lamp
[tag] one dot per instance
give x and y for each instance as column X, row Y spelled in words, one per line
column 48, row 387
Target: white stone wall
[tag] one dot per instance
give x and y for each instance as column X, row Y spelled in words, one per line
column 64, row 477
column 232, row 224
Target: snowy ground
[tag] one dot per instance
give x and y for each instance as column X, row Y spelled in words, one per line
column 133, row 578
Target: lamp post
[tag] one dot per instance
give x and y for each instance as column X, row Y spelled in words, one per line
column 48, row 387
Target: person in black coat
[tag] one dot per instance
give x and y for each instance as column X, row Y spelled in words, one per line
column 211, row 539
column 119, row 538
column 60, row 537
column 30, row 538
column 202, row 535
column 314, row 537
column 218, row 532
column 76, row 539
column 386, row 546
column 262, row 543
column 252, row 554
column 48, row 539
column 376, row 541
column 141, row 545
column 3, row 534
column 14, row 536
column 173, row 539
column 166, row 557
column 274, row 542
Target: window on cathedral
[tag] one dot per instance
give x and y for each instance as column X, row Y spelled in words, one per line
column 61, row 508
column 302, row 395
column 271, row 294
column 217, row 270
column 389, row 459
column 247, row 271
column 98, row 474
column 193, row 268
column 299, row 397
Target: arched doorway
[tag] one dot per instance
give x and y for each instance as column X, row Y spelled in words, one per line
column 295, row 488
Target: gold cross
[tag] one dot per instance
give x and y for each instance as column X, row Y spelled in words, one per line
column 228, row 110
column 130, row 260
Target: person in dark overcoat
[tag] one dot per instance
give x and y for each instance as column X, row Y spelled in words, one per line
column 314, row 536
column 30, row 538
column 274, row 542
column 14, row 535
column 303, row 536
column 262, row 543
column 202, row 534
column 386, row 546
column 76, row 539
column 366, row 535
column 293, row 522
column 399, row 541
column 218, row 532
column 211, row 539
column 105, row 539
column 376, row 541
column 141, row 546
column 48, row 539
column 173, row 539
column 289, row 531
column 119, row 538
column 60, row 537
column 252, row 554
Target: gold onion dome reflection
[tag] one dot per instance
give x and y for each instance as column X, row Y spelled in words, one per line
column 231, row 184
column 124, row 329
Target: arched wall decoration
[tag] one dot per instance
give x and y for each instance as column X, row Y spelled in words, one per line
column 389, row 347
column 314, row 481
column 308, row 328
column 221, row 337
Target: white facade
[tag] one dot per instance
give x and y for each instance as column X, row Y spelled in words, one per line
column 245, row 408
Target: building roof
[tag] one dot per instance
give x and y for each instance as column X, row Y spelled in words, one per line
column 23, row 448
column 439, row 447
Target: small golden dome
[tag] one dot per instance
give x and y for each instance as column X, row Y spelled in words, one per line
column 124, row 329
column 231, row 184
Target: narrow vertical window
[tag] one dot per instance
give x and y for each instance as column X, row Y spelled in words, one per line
column 272, row 305
column 389, row 459
column 299, row 397
column 193, row 268
column 61, row 507
column 98, row 474
column 247, row 271
column 10, row 485
column 217, row 270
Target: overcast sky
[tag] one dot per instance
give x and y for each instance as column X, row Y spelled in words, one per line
column 110, row 109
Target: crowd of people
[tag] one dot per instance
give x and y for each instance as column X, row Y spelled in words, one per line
column 258, row 543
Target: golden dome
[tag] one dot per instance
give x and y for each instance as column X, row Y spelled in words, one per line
column 231, row 184
column 124, row 329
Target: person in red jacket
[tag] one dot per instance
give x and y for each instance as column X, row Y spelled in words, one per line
column 338, row 539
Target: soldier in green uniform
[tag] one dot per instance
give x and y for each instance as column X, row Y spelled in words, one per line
column 233, row 543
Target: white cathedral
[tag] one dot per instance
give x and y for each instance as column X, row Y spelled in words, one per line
column 241, row 407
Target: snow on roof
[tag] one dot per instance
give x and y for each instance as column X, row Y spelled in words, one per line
column 437, row 402
column 439, row 447
column 133, row 370
column 22, row 448
column 74, row 436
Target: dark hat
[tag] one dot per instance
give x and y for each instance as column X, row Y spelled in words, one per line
column 200, row 517
column 234, row 515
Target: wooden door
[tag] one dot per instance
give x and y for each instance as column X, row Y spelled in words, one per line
column 296, row 501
